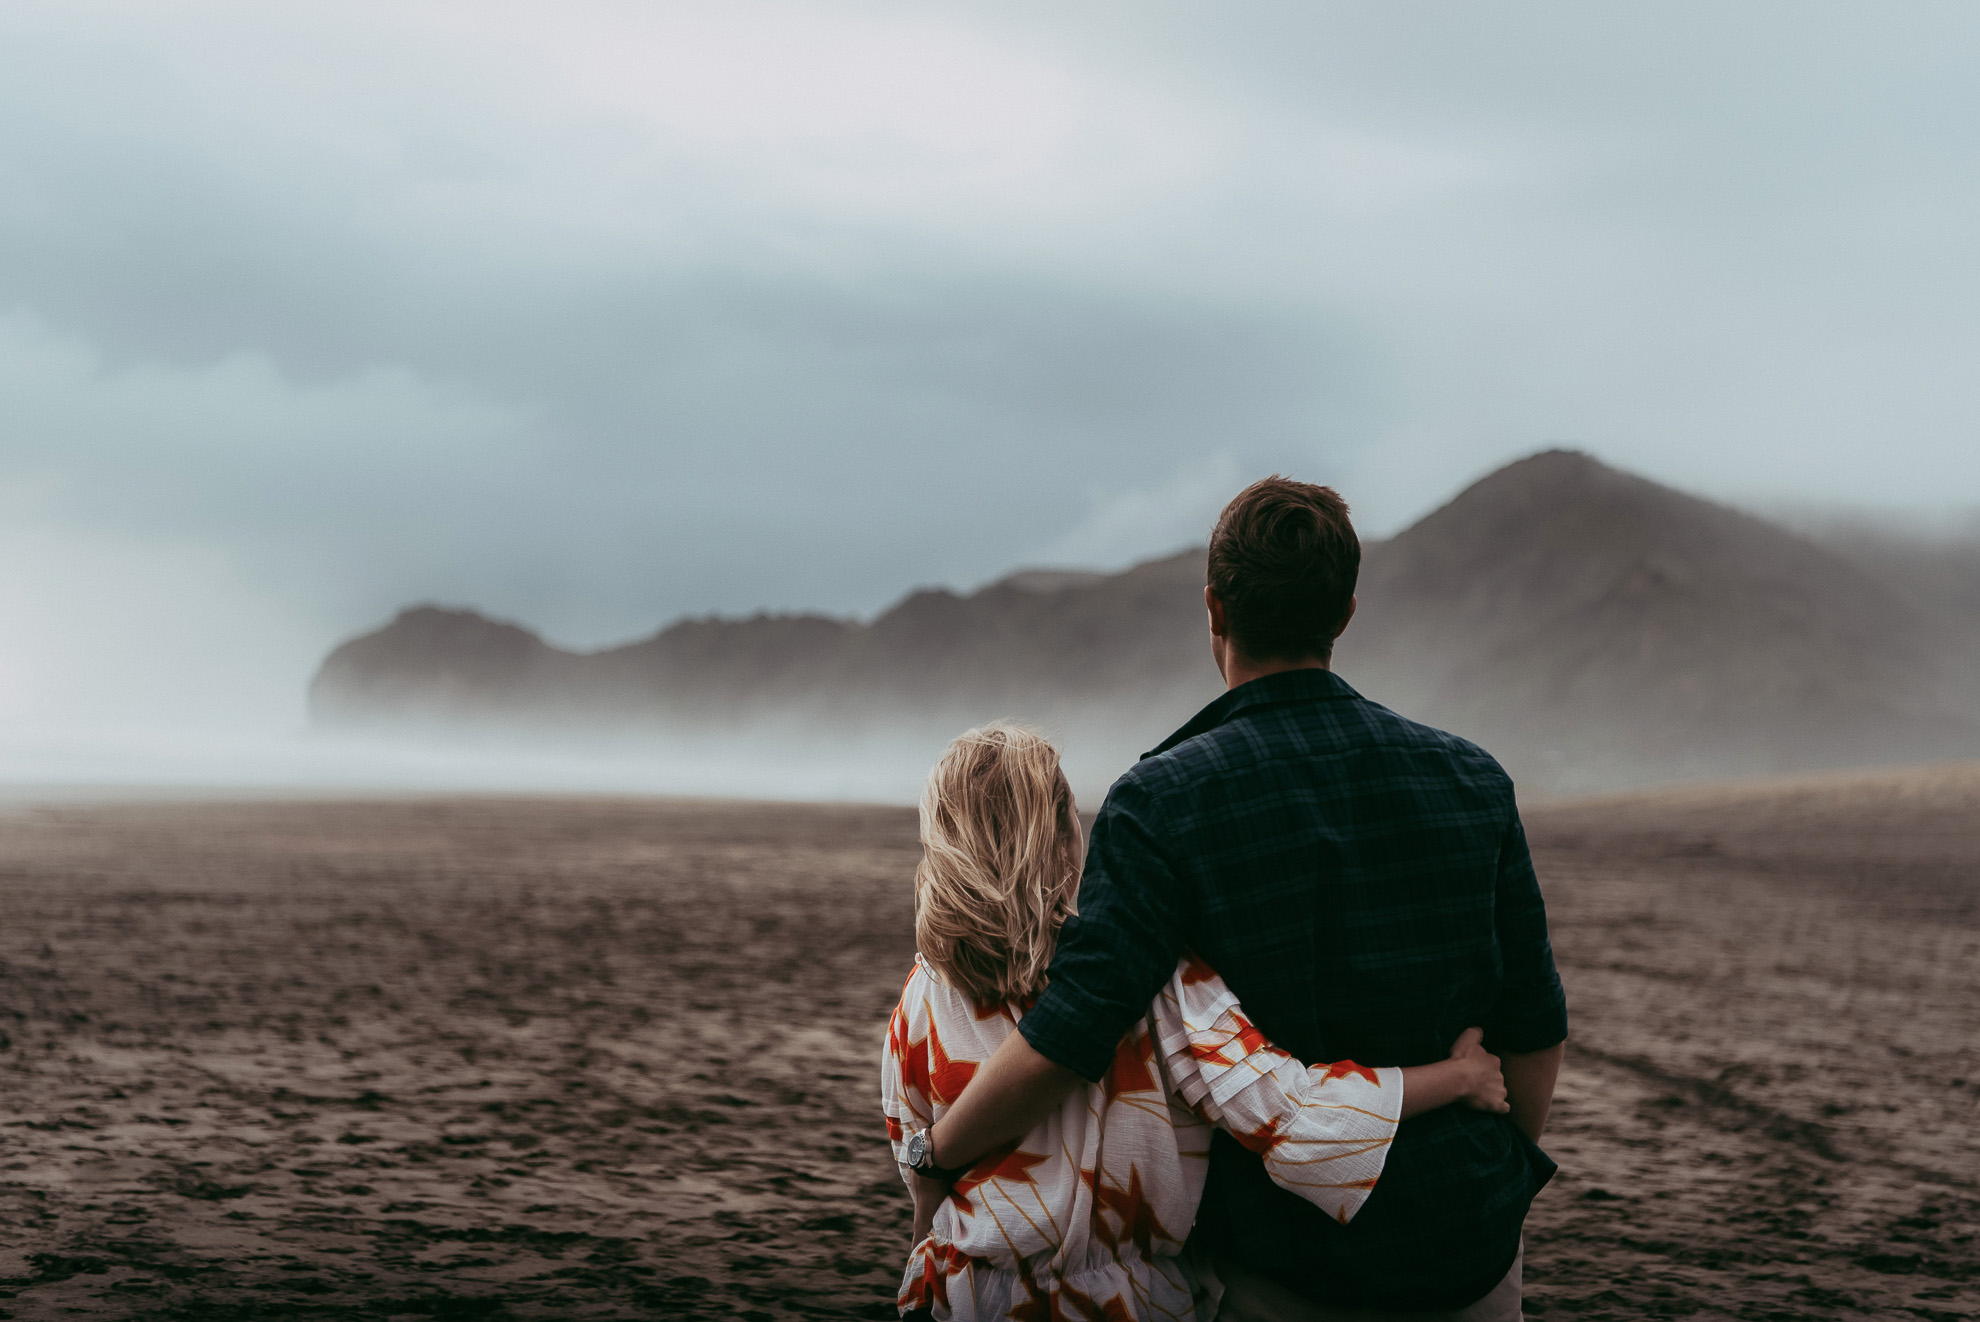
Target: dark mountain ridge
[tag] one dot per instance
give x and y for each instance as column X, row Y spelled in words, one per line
column 1591, row 628
column 1600, row 629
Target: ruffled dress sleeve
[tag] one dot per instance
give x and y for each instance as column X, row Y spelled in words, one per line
column 1323, row 1131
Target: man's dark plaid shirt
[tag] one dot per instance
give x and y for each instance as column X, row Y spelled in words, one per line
column 1362, row 883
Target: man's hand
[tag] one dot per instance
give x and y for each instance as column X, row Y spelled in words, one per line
column 928, row 1195
column 1483, row 1082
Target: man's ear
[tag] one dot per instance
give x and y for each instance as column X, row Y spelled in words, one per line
column 1352, row 603
column 1215, row 605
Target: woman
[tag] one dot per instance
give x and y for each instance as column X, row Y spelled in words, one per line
column 1086, row 1215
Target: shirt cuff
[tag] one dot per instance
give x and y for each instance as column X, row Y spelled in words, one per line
column 1527, row 1021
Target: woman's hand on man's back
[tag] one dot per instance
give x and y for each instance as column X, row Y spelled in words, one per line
column 1470, row 1074
column 1484, row 1083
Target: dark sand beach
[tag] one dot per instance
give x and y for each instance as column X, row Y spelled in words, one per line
column 559, row 1058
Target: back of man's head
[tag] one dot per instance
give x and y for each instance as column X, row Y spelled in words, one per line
column 1284, row 560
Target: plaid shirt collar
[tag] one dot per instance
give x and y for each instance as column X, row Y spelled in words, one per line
column 1286, row 686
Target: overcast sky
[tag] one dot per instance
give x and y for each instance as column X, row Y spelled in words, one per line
column 590, row 315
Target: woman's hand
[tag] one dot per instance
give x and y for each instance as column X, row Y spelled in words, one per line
column 1470, row 1074
column 1483, row 1083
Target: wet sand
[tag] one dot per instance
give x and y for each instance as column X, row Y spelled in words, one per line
column 568, row 1058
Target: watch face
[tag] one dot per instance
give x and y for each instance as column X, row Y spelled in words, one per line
column 917, row 1148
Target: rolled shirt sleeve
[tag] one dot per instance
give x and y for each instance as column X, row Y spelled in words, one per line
column 1531, row 1013
column 1122, row 945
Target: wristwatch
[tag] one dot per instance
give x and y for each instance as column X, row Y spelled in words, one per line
column 921, row 1159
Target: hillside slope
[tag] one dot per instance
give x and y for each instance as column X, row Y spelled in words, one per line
column 1598, row 629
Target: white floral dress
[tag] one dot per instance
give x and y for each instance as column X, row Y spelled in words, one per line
column 1086, row 1215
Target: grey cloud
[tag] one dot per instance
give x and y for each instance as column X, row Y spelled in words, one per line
column 704, row 444
column 679, row 435
column 1684, row 205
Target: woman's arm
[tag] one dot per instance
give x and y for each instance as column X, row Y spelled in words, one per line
column 1323, row 1132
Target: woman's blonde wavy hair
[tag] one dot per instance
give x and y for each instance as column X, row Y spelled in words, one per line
column 1000, row 858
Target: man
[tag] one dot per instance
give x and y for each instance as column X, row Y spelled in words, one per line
column 1362, row 883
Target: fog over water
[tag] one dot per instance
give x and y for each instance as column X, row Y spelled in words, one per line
column 594, row 315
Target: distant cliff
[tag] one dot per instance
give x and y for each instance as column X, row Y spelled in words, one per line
column 1592, row 628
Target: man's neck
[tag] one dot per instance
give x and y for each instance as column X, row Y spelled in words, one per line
column 1240, row 669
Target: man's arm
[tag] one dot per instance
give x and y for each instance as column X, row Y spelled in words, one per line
column 1530, row 1079
column 1527, row 1029
column 1112, row 957
column 1018, row 1087
column 1126, row 933
column 1013, row 1091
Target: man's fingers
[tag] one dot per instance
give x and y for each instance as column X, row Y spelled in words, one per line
column 1471, row 1039
column 926, row 1200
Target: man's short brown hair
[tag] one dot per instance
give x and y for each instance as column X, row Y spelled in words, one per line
column 1284, row 559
